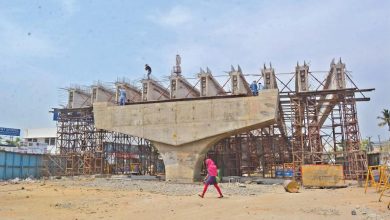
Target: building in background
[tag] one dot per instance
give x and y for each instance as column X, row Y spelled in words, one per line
column 36, row 143
column 27, row 148
column 378, row 153
column 34, row 137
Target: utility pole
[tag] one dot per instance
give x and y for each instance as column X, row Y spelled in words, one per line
column 380, row 144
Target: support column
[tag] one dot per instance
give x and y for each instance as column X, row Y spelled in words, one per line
column 184, row 165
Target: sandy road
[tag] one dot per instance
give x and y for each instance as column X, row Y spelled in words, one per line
column 116, row 199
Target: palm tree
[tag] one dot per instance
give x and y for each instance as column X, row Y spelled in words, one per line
column 14, row 143
column 385, row 118
column 17, row 142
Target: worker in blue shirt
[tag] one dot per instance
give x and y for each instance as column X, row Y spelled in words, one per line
column 253, row 88
column 260, row 87
column 122, row 96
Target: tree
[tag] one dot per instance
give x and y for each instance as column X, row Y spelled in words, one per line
column 366, row 144
column 15, row 143
column 385, row 118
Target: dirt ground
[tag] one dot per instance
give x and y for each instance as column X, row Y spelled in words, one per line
column 89, row 198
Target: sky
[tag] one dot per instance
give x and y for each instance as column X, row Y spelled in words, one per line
column 47, row 45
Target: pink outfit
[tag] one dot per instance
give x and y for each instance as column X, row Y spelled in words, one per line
column 211, row 168
column 211, row 178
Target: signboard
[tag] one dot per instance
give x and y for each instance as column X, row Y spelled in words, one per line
column 55, row 115
column 322, row 175
column 9, row 131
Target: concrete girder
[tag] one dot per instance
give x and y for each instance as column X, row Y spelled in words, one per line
column 209, row 86
column 183, row 131
column 334, row 80
column 153, row 91
column 181, row 88
column 239, row 85
column 133, row 93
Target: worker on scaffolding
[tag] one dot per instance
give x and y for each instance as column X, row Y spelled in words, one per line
column 253, row 88
column 122, row 96
column 148, row 69
column 260, row 87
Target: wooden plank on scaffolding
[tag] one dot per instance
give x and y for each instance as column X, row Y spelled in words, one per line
column 322, row 176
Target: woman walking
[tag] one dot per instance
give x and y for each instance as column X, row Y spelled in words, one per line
column 211, row 178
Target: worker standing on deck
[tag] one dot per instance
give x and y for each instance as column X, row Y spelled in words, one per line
column 260, row 87
column 148, row 69
column 122, row 96
column 253, row 88
column 212, row 172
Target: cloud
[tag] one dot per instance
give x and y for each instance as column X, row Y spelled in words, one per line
column 281, row 35
column 69, row 7
column 23, row 42
column 176, row 16
column 285, row 34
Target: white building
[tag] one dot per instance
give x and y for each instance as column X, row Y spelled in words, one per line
column 28, row 148
column 46, row 136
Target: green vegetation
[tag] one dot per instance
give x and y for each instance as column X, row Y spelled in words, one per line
column 385, row 118
column 15, row 142
column 366, row 144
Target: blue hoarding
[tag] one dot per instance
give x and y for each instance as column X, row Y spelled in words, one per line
column 9, row 131
column 19, row 165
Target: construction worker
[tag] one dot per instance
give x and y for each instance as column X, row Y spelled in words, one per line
column 122, row 96
column 147, row 68
column 253, row 88
column 260, row 87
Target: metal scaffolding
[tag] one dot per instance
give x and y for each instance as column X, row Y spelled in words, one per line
column 317, row 123
column 237, row 155
column 84, row 149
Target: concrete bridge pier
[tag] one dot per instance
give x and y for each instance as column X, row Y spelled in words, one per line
column 184, row 165
column 184, row 130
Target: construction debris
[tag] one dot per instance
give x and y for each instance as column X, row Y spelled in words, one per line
column 291, row 186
